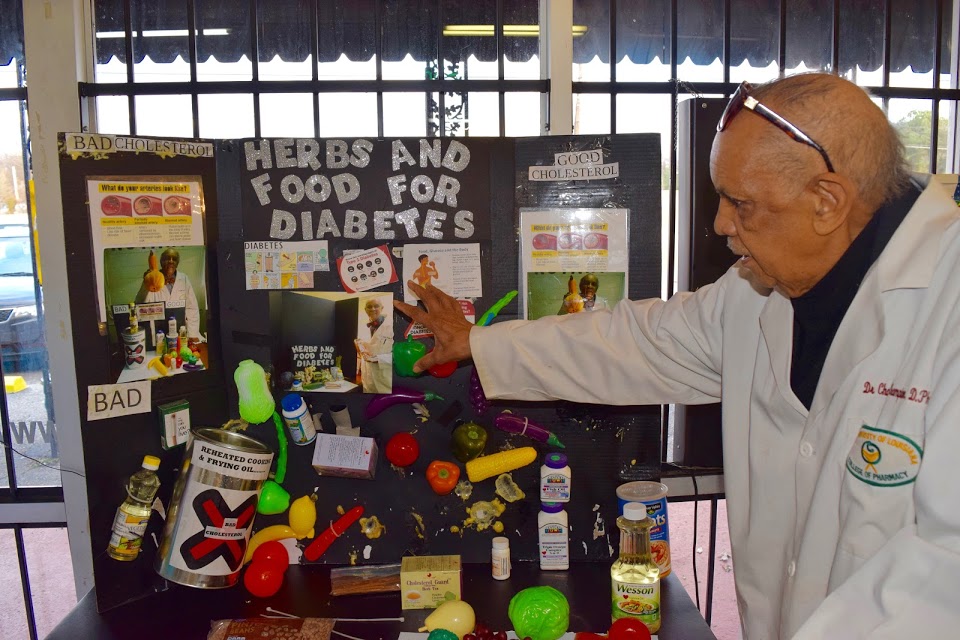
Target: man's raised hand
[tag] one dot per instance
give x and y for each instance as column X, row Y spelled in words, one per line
column 444, row 318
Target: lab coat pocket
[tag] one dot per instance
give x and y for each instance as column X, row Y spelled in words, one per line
column 876, row 497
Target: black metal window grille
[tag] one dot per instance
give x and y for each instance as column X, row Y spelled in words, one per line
column 442, row 34
column 862, row 40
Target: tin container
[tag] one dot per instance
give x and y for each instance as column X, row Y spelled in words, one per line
column 654, row 496
column 134, row 348
column 212, row 509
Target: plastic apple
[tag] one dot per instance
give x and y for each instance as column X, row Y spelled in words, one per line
column 628, row 629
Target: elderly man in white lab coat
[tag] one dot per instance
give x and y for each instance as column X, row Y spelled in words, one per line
column 176, row 293
column 377, row 352
column 834, row 344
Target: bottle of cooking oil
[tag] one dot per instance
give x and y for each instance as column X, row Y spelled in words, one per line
column 130, row 523
column 635, row 576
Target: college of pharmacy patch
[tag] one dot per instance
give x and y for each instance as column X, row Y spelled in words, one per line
column 884, row 458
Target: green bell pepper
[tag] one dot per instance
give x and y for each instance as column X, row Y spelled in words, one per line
column 468, row 441
column 405, row 355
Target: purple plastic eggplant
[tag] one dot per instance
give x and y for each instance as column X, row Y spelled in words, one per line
column 477, row 397
column 512, row 423
column 400, row 395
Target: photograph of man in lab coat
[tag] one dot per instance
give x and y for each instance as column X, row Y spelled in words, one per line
column 834, row 345
column 176, row 293
column 375, row 344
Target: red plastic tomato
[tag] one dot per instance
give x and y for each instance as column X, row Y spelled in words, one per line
column 262, row 579
column 402, row 449
column 628, row 629
column 443, row 370
column 274, row 554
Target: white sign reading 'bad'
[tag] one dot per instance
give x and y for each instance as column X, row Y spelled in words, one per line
column 112, row 400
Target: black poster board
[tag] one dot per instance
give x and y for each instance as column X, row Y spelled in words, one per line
column 606, row 445
column 114, row 448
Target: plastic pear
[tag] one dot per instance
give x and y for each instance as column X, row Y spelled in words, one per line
column 274, row 499
column 454, row 615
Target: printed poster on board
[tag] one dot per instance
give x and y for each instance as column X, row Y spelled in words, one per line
column 284, row 265
column 338, row 342
column 142, row 211
column 157, row 305
column 454, row 268
column 572, row 260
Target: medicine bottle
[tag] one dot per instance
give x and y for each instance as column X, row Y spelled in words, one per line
column 298, row 419
column 555, row 478
column 554, row 535
column 500, row 558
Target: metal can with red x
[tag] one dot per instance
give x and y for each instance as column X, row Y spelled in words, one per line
column 211, row 512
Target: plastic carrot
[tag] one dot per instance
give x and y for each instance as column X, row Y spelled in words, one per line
column 322, row 542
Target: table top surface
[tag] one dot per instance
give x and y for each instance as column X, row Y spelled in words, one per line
column 186, row 613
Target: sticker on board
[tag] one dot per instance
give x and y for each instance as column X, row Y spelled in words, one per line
column 367, row 269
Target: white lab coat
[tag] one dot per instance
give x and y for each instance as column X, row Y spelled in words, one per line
column 180, row 296
column 377, row 373
column 819, row 552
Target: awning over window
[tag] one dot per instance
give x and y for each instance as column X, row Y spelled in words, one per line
column 346, row 27
column 11, row 31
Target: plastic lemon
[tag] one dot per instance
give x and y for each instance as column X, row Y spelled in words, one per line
column 542, row 613
column 455, row 616
column 303, row 516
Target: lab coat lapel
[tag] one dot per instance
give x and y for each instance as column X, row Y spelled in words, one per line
column 776, row 324
column 907, row 262
column 858, row 336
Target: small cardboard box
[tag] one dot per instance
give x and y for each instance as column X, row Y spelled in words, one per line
column 174, row 423
column 345, row 456
column 426, row 582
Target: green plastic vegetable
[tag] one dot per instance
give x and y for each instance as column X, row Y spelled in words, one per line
column 542, row 613
column 468, row 441
column 442, row 634
column 256, row 401
column 405, row 355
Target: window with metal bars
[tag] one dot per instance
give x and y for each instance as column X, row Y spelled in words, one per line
column 241, row 68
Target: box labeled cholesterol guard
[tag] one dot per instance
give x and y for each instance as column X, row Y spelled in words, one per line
column 426, row 582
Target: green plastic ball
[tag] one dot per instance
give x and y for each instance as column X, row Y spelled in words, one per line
column 542, row 613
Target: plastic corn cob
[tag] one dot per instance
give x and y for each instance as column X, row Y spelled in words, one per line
column 493, row 465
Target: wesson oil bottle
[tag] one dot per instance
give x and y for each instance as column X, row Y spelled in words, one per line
column 130, row 523
column 635, row 576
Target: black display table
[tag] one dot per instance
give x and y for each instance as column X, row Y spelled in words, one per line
column 185, row 613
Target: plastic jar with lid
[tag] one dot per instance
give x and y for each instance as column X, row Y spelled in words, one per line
column 500, row 558
column 554, row 535
column 555, row 476
column 298, row 419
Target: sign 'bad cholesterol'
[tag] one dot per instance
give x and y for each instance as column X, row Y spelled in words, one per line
column 365, row 189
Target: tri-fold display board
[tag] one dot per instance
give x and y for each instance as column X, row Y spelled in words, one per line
column 290, row 252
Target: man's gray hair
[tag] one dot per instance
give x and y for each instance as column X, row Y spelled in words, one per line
column 855, row 133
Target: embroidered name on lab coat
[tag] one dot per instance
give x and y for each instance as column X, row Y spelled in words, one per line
column 883, row 458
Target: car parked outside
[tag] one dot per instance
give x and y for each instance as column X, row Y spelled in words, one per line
column 21, row 334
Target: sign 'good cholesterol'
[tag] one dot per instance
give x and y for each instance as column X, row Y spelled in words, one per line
column 392, row 190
